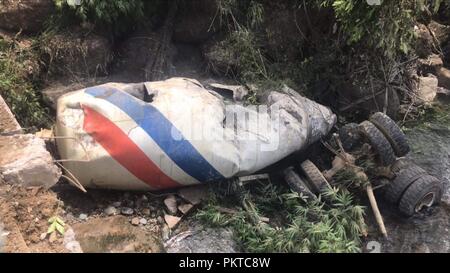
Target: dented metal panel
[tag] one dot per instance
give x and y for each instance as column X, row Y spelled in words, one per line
column 172, row 133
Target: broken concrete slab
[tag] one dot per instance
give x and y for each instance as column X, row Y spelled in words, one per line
column 431, row 64
column 172, row 221
column 194, row 195
column 185, row 208
column 8, row 123
column 25, row 160
column 171, row 204
column 70, row 243
column 238, row 91
column 440, row 32
column 443, row 75
column 427, row 89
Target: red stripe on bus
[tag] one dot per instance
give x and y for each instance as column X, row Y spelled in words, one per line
column 124, row 150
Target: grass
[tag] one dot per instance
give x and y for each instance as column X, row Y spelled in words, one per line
column 295, row 225
column 18, row 87
column 436, row 114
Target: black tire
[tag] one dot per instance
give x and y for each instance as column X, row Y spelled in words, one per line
column 405, row 177
column 392, row 132
column 380, row 145
column 350, row 136
column 424, row 192
column 297, row 184
column 318, row 182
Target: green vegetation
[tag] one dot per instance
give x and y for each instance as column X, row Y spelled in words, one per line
column 18, row 67
column 368, row 48
column 100, row 11
column 56, row 225
column 117, row 16
column 295, row 224
column 425, row 117
column 388, row 26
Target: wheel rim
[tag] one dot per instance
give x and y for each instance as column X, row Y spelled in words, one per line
column 426, row 201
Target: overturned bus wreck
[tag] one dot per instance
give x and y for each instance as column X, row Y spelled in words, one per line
column 173, row 133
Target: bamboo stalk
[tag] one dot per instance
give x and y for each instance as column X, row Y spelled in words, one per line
column 376, row 211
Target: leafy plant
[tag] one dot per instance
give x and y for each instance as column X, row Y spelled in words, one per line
column 117, row 16
column 295, row 225
column 56, row 224
column 104, row 11
column 388, row 26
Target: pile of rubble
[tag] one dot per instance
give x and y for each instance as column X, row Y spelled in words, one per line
column 433, row 78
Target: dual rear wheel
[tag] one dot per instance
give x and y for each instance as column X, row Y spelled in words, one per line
column 412, row 189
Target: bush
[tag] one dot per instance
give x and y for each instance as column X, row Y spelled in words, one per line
column 295, row 225
column 387, row 27
column 117, row 16
column 17, row 89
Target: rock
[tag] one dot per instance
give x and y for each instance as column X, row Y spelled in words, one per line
column 135, row 221
column 432, row 64
column 185, row 208
column 143, row 221
column 443, row 94
column 443, row 76
column 26, row 161
column 196, row 21
column 83, row 217
column 8, row 123
column 427, row 89
column 70, row 243
column 195, row 194
column 115, row 234
column 143, row 199
column 43, row 236
column 127, row 211
column 425, row 44
column 26, row 15
column 146, row 211
column 117, row 204
column 165, row 232
column 200, row 239
column 53, row 237
column 69, row 216
column 3, row 235
column 110, row 211
column 171, row 221
column 441, row 32
column 239, row 92
column 171, row 204
column 75, row 54
column 128, row 203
